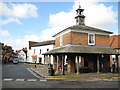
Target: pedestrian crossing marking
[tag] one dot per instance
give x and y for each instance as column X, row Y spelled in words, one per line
column 8, row 79
column 31, row 79
column 20, row 79
column 43, row 80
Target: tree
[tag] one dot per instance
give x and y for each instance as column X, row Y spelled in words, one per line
column 25, row 51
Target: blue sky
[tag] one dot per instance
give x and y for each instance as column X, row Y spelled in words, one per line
column 35, row 25
column 42, row 19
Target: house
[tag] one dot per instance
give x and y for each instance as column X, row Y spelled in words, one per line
column 7, row 54
column 21, row 55
column 81, row 46
column 1, row 52
column 36, row 49
column 115, row 43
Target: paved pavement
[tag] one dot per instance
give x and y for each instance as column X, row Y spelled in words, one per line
column 41, row 73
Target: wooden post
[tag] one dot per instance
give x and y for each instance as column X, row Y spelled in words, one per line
column 53, row 62
column 77, row 57
column 98, row 65
column 117, row 62
column 57, row 62
column 82, row 61
column 63, row 57
column 49, row 59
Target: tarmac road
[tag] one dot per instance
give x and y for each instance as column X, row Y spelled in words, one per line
column 18, row 76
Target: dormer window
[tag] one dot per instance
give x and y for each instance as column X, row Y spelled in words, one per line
column 91, row 39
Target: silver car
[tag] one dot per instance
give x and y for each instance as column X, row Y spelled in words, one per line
column 15, row 61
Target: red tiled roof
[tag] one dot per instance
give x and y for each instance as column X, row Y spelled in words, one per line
column 115, row 41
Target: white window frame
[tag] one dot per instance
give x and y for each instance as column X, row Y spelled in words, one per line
column 93, row 39
column 61, row 40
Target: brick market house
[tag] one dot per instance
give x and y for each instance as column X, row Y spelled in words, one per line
column 81, row 46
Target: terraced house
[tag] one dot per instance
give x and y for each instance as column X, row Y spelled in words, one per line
column 115, row 43
column 81, row 46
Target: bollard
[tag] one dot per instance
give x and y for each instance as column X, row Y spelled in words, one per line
column 35, row 64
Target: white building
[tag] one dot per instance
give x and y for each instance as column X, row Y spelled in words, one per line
column 21, row 56
column 36, row 49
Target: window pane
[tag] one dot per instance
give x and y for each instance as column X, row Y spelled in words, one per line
column 91, row 38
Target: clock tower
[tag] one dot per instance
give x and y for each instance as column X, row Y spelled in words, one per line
column 80, row 17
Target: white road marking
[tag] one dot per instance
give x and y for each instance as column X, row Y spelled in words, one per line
column 43, row 80
column 31, row 79
column 7, row 79
column 115, row 77
column 10, row 65
column 20, row 79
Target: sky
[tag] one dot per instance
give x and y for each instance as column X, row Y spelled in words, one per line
column 21, row 22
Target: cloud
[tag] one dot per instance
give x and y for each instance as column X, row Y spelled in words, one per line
column 97, row 15
column 14, row 12
column 18, row 10
column 23, row 42
column 4, row 33
column 9, row 20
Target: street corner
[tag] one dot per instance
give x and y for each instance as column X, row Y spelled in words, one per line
column 33, row 72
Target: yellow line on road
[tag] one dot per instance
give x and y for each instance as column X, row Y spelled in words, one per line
column 100, row 78
column 33, row 73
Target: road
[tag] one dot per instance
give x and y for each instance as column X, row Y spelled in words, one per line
column 17, row 71
column 18, row 76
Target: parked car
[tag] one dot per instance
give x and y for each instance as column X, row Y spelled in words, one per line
column 15, row 61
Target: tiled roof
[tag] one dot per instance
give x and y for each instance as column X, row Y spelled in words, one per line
column 82, row 49
column 32, row 43
column 84, row 27
column 115, row 41
column 49, row 42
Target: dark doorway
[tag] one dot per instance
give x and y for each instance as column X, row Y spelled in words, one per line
column 40, row 60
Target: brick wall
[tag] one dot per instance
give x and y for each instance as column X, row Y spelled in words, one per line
column 66, row 38
column 57, row 42
column 78, row 38
column 102, row 40
column 71, row 64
